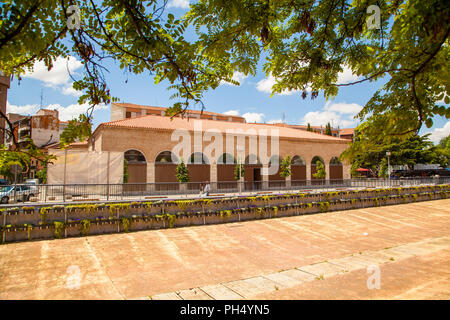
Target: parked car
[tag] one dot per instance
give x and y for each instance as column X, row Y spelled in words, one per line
column 33, row 185
column 3, row 182
column 18, row 193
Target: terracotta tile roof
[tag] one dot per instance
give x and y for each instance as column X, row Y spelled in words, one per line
column 346, row 131
column 137, row 106
column 165, row 123
column 79, row 144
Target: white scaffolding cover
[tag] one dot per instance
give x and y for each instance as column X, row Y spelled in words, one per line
column 85, row 167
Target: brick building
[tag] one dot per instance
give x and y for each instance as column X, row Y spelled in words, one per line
column 4, row 86
column 44, row 128
column 121, row 111
column 147, row 143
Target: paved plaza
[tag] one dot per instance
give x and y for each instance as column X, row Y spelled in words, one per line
column 320, row 256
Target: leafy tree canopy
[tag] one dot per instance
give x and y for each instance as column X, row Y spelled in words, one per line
column 370, row 151
column 305, row 43
column 182, row 172
column 328, row 129
column 239, row 171
column 308, row 43
column 285, row 167
column 320, row 170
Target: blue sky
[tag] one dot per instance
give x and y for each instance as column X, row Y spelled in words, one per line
column 251, row 99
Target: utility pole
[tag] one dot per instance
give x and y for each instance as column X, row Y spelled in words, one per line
column 389, row 164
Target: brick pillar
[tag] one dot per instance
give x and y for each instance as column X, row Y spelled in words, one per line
column 346, row 171
column 308, row 173
column 327, row 170
column 151, row 176
column 265, row 176
column 288, row 181
column 4, row 86
column 213, row 175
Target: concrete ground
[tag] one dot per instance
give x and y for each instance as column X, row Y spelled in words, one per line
column 336, row 255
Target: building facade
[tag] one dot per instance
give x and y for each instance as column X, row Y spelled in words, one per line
column 4, row 86
column 44, row 128
column 121, row 111
column 149, row 143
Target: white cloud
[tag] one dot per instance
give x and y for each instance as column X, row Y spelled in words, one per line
column 184, row 4
column 58, row 75
column 266, row 84
column 232, row 113
column 339, row 114
column 28, row 109
column 73, row 111
column 65, row 113
column 253, row 117
column 70, row 91
column 346, row 108
column 346, row 76
column 237, row 76
column 439, row 133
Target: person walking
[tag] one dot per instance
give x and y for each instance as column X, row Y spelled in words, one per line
column 201, row 189
column 207, row 188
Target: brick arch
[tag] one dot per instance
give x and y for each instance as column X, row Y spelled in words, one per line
column 198, row 172
column 336, row 170
column 165, row 171
column 314, row 168
column 298, row 171
column 136, row 170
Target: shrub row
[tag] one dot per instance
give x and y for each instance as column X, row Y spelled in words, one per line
column 124, row 217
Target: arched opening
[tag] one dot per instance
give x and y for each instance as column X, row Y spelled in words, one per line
column 134, row 171
column 166, row 157
column 225, row 172
column 165, row 170
column 298, row 171
column 336, row 171
column 198, row 158
column 275, row 180
column 314, row 170
column 252, row 177
column 226, row 158
column 199, row 170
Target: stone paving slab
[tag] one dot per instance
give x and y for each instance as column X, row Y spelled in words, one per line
column 243, row 288
column 417, row 278
column 376, row 256
column 397, row 254
column 262, row 283
column 265, row 284
column 193, row 294
column 252, row 286
column 282, row 280
column 323, row 269
column 155, row 262
column 413, row 250
column 166, row 296
column 298, row 275
column 220, row 292
column 349, row 263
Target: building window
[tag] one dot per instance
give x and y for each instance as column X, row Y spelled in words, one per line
column 128, row 114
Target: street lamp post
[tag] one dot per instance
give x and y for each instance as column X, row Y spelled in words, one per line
column 240, row 149
column 389, row 165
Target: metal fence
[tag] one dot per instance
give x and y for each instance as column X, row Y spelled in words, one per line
column 142, row 191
